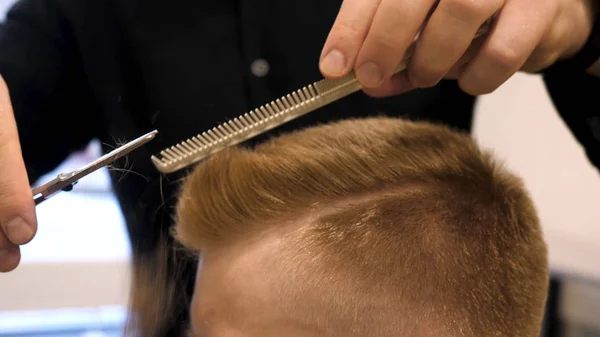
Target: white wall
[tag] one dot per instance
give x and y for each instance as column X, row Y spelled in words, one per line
column 519, row 122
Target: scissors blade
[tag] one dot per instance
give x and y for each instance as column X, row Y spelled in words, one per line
column 65, row 181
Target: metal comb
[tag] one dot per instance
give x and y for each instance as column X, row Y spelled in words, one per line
column 66, row 181
column 267, row 117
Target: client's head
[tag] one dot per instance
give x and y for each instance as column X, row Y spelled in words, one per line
column 369, row 227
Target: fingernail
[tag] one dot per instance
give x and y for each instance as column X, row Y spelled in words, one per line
column 18, row 231
column 369, row 75
column 334, row 63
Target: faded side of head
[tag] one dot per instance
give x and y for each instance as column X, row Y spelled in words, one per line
column 384, row 227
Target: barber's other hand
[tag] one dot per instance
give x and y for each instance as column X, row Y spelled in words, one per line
column 371, row 37
column 17, row 210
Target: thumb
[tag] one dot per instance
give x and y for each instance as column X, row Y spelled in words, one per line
column 18, row 222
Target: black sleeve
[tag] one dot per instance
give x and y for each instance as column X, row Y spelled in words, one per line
column 45, row 77
column 576, row 96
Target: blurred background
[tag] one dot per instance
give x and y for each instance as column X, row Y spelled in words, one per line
column 74, row 277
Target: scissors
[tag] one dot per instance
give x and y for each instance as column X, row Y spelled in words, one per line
column 66, row 181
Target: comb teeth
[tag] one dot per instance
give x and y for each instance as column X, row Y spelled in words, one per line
column 253, row 123
column 266, row 117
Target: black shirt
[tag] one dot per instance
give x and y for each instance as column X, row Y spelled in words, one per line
column 116, row 69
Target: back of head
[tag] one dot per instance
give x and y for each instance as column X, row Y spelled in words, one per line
column 387, row 228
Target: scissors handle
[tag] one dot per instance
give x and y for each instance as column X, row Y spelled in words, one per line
column 66, row 181
column 62, row 182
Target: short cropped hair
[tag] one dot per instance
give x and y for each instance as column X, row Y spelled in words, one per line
column 413, row 229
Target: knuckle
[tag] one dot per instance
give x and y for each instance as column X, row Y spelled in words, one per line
column 468, row 9
column 383, row 49
column 556, row 36
column 506, row 59
column 385, row 40
column 555, row 41
column 466, row 87
column 473, row 87
column 348, row 30
column 13, row 199
column 539, row 62
column 423, row 77
column 15, row 196
column 548, row 60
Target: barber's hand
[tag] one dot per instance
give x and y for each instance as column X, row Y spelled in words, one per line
column 17, row 210
column 371, row 36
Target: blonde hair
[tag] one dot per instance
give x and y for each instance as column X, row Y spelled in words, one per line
column 413, row 214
